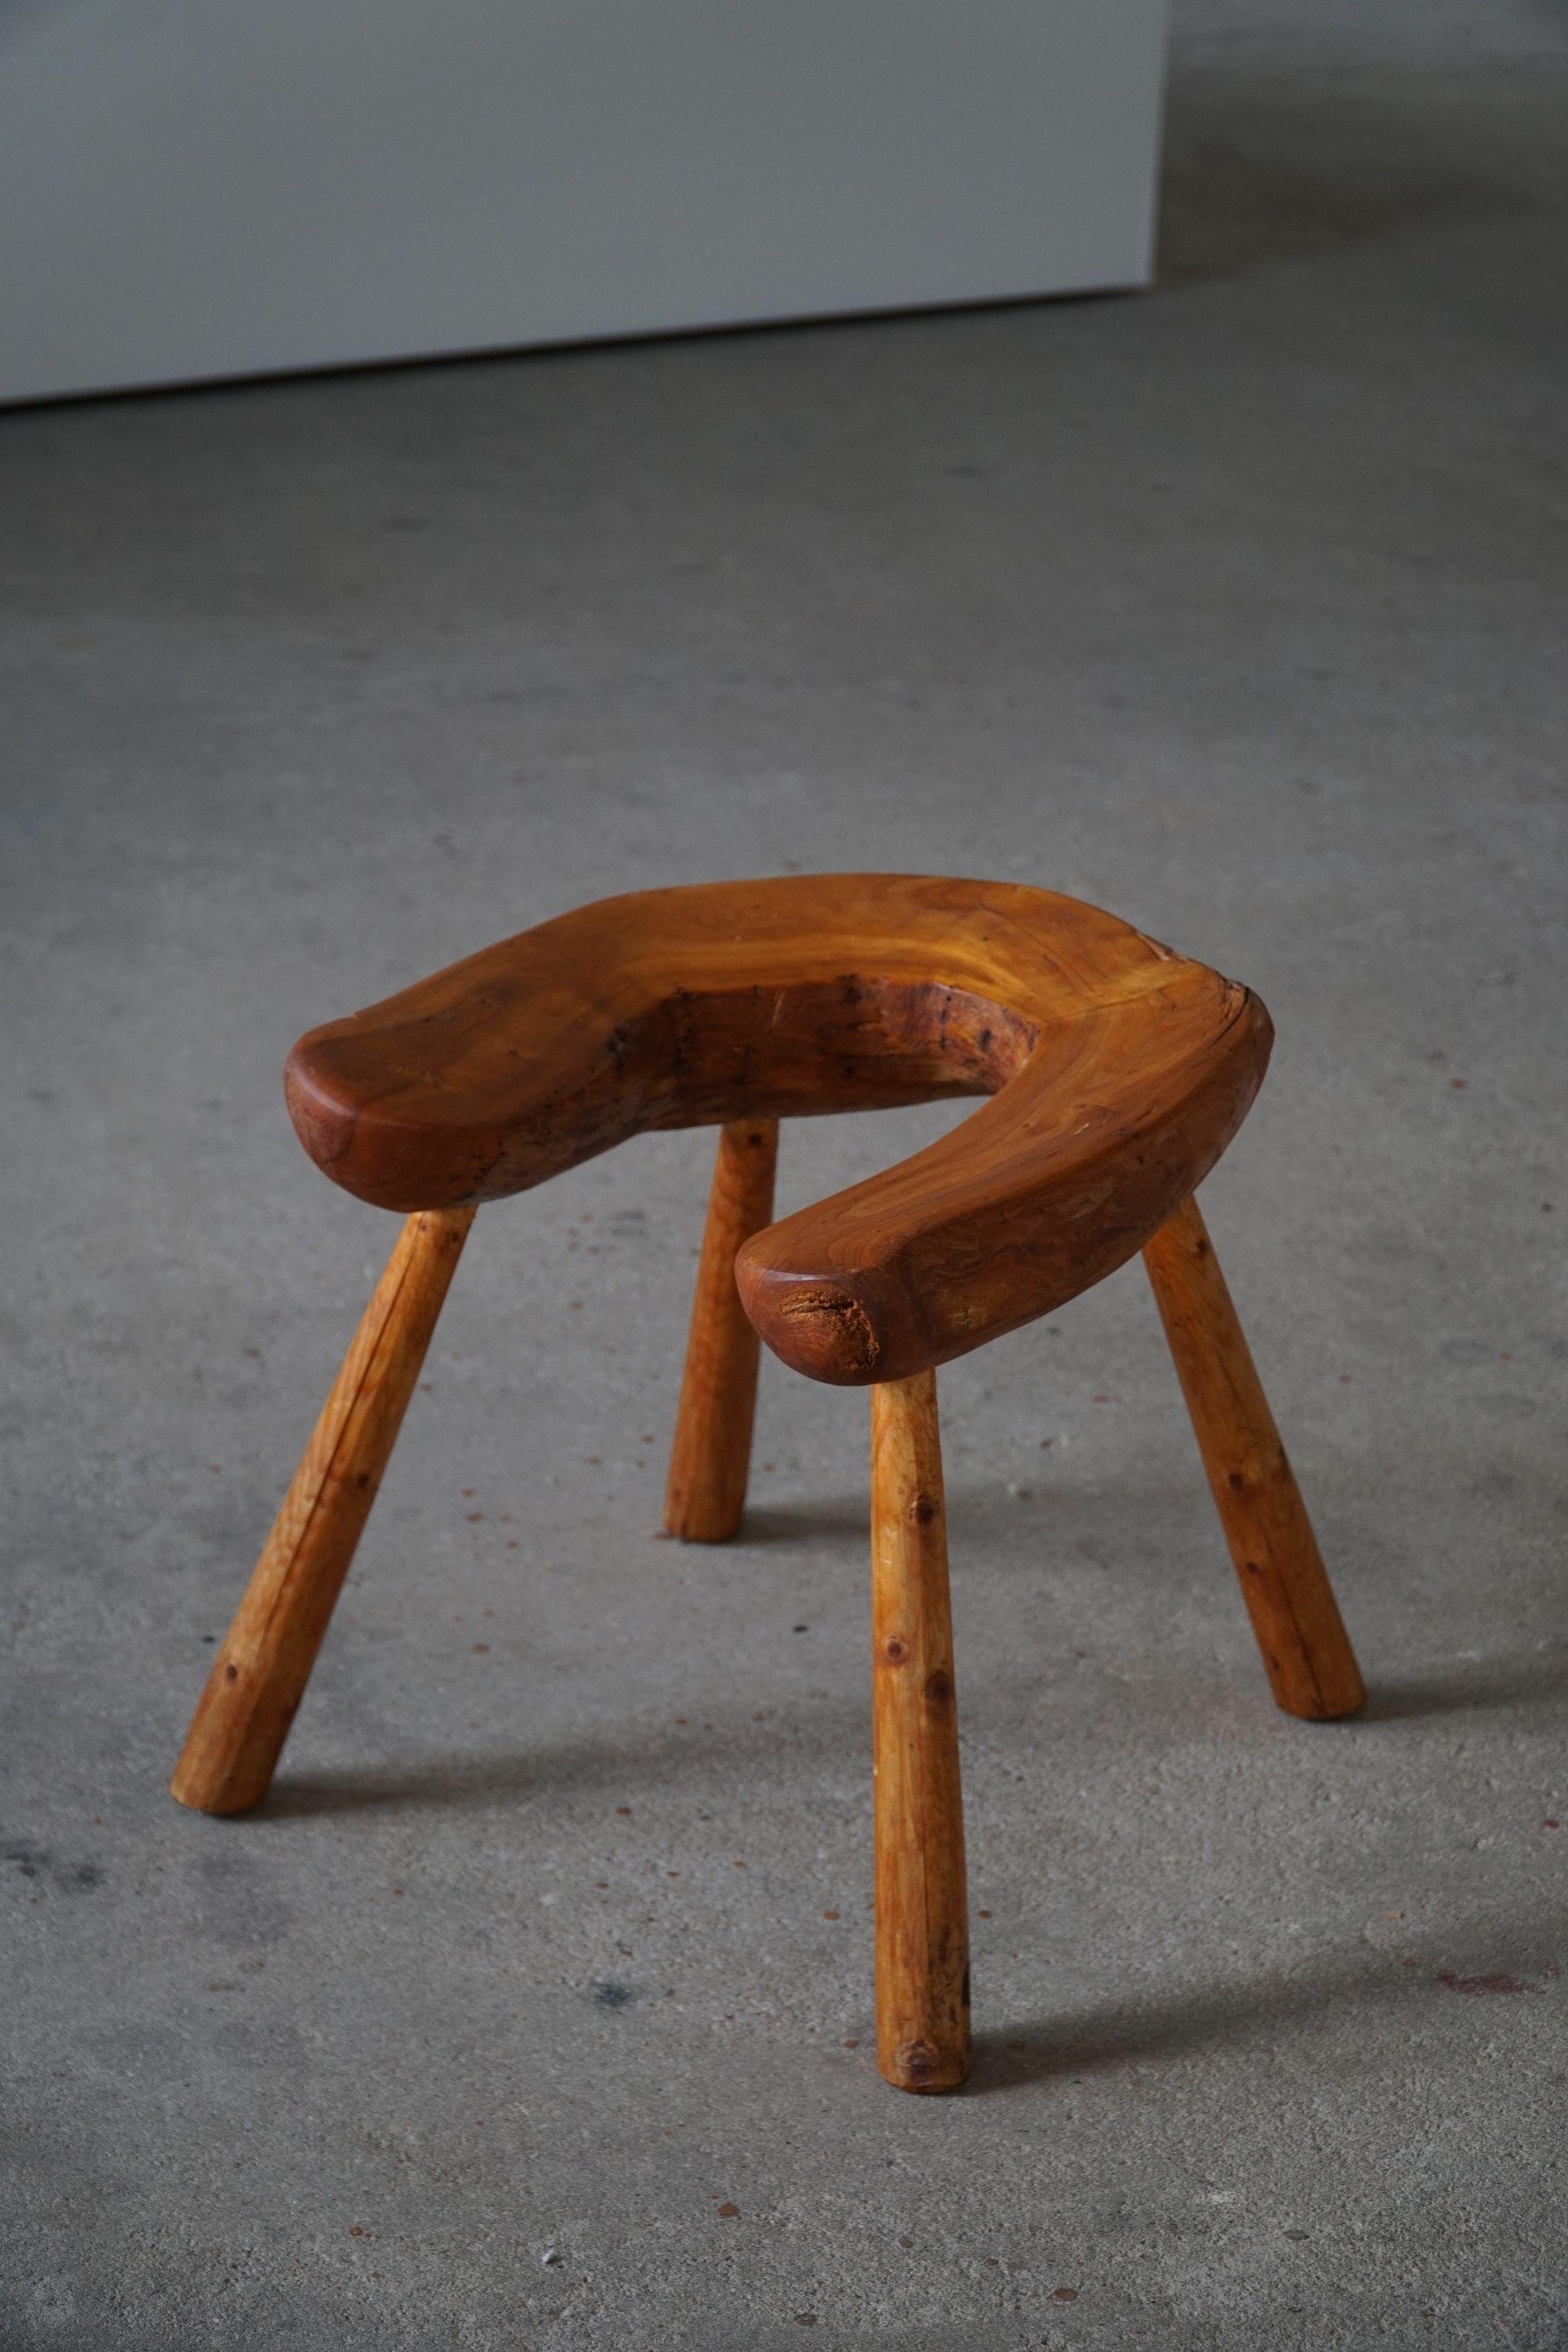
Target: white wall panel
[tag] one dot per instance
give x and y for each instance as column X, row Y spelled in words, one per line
column 198, row 188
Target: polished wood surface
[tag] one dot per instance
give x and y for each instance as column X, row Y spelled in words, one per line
column 922, row 1917
column 260, row 1674
column 710, row 1456
column 1117, row 1072
column 1307, row 1652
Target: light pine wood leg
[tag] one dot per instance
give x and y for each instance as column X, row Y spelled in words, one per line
column 1311, row 1666
column 259, row 1675
column 923, row 1908
column 711, row 1454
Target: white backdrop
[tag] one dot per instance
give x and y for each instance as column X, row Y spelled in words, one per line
column 198, row 188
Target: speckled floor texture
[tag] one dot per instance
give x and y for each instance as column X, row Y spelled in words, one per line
column 532, row 2010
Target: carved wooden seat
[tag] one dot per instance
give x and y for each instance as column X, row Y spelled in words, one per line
column 1117, row 1074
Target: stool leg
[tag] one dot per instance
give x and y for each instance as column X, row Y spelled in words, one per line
column 259, row 1675
column 1306, row 1650
column 923, row 1912
column 711, row 1454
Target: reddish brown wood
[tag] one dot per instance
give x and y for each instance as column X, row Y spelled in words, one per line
column 711, row 1454
column 1306, row 1650
column 1118, row 1071
column 923, row 1916
column 259, row 1675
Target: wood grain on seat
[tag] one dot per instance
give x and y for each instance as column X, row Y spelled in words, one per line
column 1117, row 1072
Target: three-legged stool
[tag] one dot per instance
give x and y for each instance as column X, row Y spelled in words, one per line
column 1117, row 1074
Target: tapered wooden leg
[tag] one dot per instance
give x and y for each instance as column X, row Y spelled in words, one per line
column 923, row 1905
column 711, row 1454
column 1311, row 1666
column 258, row 1677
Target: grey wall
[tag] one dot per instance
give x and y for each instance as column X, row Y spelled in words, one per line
column 195, row 188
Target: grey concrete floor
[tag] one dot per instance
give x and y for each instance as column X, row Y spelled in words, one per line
column 1238, row 608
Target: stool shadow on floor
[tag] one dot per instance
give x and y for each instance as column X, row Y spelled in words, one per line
column 1184, row 2025
column 822, row 1519
column 1031, row 1519
column 1530, row 1678
column 1053, row 1519
column 523, row 1775
column 1527, row 1678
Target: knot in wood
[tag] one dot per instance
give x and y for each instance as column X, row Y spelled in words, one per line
column 918, row 2063
column 895, row 1649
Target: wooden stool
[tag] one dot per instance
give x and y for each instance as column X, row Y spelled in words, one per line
column 1117, row 1074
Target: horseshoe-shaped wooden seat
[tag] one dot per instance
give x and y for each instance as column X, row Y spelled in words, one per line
column 1117, row 1074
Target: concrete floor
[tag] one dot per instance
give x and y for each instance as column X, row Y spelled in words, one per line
column 1239, row 608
